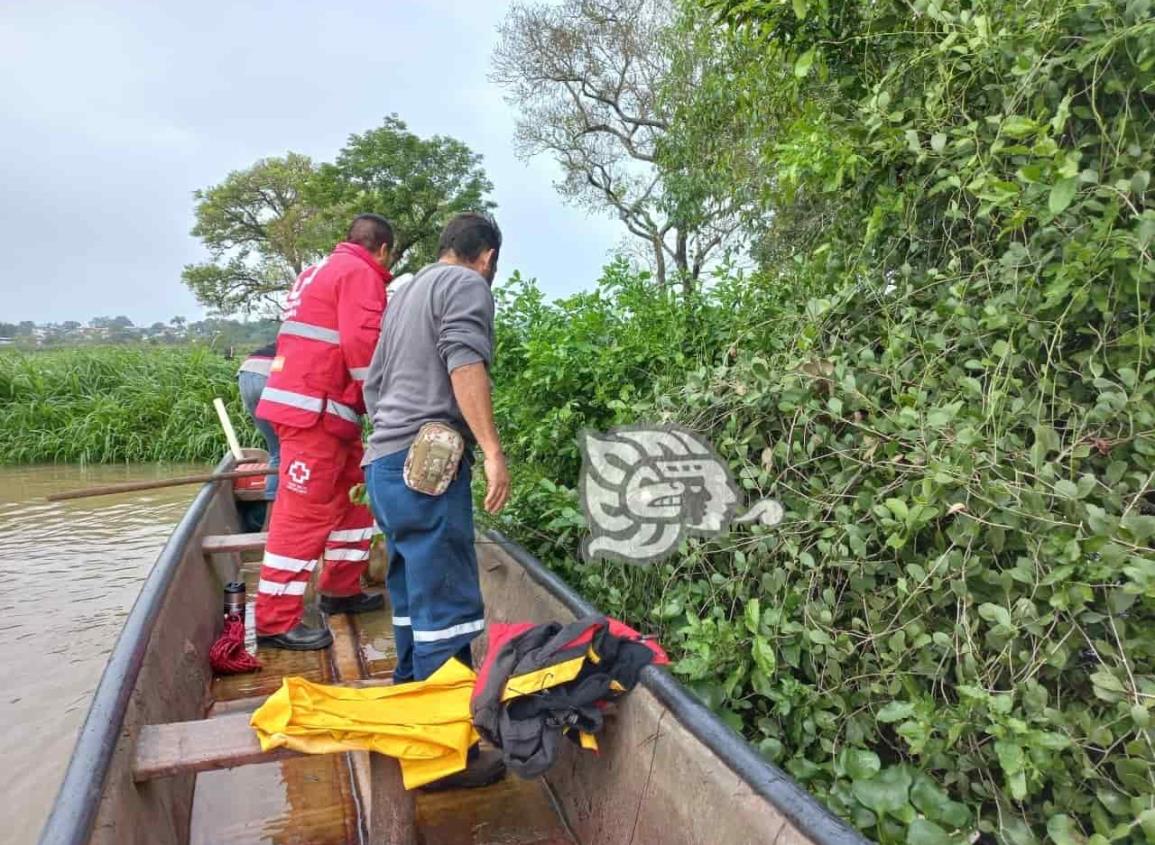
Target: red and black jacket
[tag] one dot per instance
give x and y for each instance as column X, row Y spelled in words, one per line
column 542, row 682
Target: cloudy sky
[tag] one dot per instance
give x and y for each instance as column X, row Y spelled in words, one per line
column 111, row 114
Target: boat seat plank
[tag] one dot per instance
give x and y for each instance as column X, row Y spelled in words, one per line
column 229, row 741
column 199, row 746
column 222, row 543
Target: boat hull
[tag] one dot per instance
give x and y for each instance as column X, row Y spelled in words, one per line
column 669, row 770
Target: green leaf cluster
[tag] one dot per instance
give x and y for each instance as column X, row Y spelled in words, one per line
column 944, row 371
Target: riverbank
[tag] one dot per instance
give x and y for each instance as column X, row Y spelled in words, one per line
column 115, row 404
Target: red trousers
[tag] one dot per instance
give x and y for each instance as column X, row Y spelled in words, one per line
column 311, row 518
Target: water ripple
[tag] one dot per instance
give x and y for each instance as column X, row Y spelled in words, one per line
column 73, row 570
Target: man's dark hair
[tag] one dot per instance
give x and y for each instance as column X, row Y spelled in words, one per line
column 470, row 234
column 371, row 231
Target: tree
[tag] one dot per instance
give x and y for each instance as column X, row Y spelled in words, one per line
column 265, row 224
column 417, row 183
column 260, row 233
column 587, row 78
column 70, row 325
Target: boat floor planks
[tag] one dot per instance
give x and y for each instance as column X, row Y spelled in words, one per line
column 299, row 801
column 312, row 800
column 513, row 811
column 276, row 663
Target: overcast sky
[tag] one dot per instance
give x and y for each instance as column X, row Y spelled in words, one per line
column 111, row 114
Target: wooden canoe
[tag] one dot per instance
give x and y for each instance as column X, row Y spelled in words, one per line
column 164, row 756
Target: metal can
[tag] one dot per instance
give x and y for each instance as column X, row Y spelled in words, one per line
column 235, row 599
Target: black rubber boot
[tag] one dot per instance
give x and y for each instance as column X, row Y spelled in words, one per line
column 484, row 769
column 300, row 638
column 360, row 603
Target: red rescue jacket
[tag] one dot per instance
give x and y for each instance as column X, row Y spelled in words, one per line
column 325, row 343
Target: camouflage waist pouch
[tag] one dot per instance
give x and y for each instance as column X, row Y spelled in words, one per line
column 433, row 458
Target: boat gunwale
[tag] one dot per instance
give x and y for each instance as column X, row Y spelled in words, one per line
column 78, row 800
column 805, row 812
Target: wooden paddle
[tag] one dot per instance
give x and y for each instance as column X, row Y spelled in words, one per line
column 131, row 486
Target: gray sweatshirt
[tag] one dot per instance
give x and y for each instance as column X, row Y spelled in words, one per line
column 440, row 320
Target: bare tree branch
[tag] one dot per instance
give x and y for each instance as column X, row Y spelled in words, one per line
column 585, row 76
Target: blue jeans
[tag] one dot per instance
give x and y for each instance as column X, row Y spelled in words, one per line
column 251, row 385
column 432, row 581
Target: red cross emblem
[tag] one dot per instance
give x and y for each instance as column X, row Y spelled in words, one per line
column 299, row 472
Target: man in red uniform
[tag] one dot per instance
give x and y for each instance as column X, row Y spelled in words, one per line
column 313, row 399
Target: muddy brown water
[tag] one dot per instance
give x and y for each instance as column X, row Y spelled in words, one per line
column 72, row 571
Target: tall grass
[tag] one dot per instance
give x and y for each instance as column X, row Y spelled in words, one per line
column 114, row 404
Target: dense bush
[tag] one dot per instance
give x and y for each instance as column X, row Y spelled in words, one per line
column 952, row 635
column 111, row 404
column 589, row 360
column 964, row 584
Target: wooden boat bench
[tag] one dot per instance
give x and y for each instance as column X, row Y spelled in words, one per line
column 228, row 741
column 223, row 543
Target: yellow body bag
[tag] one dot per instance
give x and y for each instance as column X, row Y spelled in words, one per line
column 426, row 724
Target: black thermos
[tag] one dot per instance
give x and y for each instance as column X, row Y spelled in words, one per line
column 235, row 599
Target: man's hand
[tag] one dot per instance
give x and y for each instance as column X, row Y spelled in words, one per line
column 471, row 389
column 496, row 482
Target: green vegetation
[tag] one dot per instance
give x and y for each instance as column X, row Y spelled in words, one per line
column 951, row 389
column 111, row 404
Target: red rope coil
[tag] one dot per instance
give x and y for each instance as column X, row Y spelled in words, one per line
column 227, row 656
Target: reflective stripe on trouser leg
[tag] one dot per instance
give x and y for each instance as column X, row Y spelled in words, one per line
column 377, row 484
column 346, row 560
column 300, row 525
column 431, row 542
column 402, row 624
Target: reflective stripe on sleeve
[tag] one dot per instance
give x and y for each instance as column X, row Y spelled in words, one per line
column 287, row 564
column 346, row 554
column 272, row 588
column 288, row 397
column 448, row 633
column 359, row 373
column 310, row 331
column 402, row 621
column 352, row 535
column 260, row 366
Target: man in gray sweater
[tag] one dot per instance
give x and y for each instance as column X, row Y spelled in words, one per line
column 432, row 365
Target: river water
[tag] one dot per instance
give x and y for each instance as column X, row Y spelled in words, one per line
column 72, row 572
